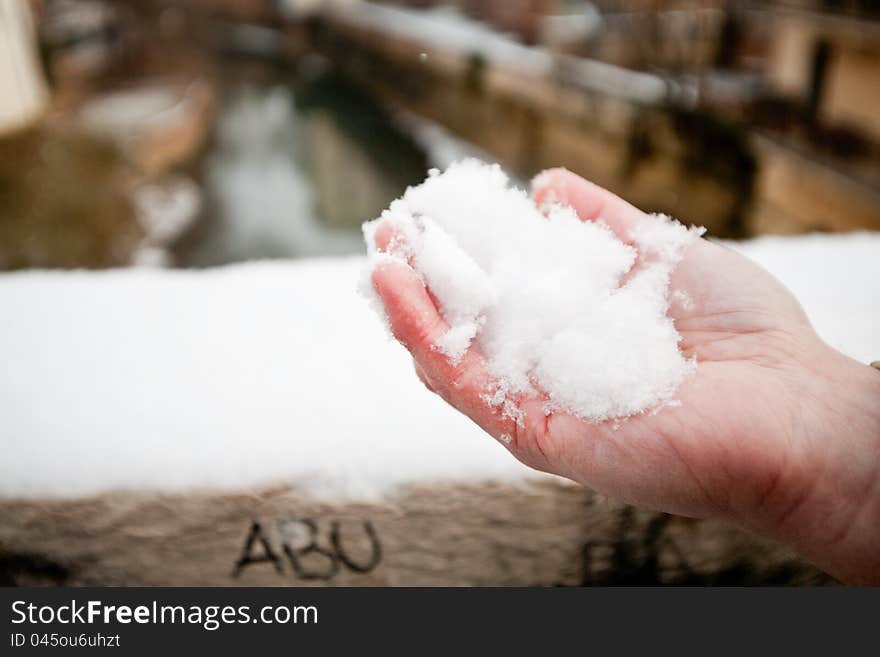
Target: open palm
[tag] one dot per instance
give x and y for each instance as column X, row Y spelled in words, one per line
column 747, row 442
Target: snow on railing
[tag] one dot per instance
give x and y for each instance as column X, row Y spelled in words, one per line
column 450, row 31
column 235, row 376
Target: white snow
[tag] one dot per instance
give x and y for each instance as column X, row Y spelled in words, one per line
column 265, row 373
column 122, row 113
column 239, row 376
column 544, row 299
column 165, row 210
column 445, row 29
column 836, row 278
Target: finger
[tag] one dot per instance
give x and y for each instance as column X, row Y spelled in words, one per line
column 591, row 202
column 417, row 324
column 391, row 239
column 385, row 236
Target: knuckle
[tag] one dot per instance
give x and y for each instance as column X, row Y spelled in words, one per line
column 535, row 441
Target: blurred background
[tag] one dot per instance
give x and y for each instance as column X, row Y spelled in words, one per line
column 198, row 133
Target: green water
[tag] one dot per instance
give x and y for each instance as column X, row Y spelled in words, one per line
column 299, row 159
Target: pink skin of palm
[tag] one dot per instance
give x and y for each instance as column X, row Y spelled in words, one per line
column 776, row 431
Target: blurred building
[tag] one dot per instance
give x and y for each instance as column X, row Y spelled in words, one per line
column 747, row 118
column 829, row 62
column 819, row 139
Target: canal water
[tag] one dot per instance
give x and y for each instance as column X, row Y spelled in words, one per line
column 299, row 159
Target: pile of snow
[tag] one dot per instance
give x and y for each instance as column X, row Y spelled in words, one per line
column 545, row 300
column 226, row 378
column 266, row 373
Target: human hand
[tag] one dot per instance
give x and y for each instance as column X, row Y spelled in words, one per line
column 776, row 431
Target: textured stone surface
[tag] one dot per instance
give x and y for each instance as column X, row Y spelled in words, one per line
column 544, row 533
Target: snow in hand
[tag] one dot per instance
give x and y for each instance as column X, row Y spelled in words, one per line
column 555, row 304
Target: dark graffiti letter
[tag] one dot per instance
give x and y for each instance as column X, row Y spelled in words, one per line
column 295, row 555
column 375, row 555
column 247, row 558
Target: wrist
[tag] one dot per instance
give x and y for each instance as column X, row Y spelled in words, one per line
column 836, row 521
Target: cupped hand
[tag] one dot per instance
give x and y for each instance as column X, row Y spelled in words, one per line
column 774, row 430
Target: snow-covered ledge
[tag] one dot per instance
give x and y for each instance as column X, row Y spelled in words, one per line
column 253, row 424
